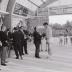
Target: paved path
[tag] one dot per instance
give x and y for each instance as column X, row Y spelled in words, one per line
column 59, row 61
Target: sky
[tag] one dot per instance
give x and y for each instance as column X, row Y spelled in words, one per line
column 61, row 19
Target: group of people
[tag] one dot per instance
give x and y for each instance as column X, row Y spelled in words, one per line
column 37, row 39
column 17, row 40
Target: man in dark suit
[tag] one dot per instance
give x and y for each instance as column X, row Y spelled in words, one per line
column 37, row 42
column 22, row 38
column 17, row 43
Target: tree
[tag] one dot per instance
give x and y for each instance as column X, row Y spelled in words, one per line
column 57, row 26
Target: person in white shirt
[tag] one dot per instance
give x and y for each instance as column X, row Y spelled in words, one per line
column 48, row 33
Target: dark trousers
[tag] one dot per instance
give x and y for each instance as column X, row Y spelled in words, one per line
column 22, row 49
column 10, row 47
column 37, row 45
column 25, row 48
column 17, row 48
column 3, row 55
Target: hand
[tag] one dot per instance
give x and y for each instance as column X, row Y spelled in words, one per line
column 6, row 41
column 0, row 43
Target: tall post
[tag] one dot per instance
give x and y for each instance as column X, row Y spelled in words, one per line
column 10, row 9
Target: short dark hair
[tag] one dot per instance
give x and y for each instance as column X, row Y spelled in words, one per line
column 45, row 23
column 8, row 29
column 15, row 28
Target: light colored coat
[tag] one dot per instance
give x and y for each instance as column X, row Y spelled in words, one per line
column 48, row 32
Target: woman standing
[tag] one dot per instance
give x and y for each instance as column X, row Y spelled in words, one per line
column 3, row 39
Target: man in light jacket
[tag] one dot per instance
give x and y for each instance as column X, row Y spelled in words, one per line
column 48, row 33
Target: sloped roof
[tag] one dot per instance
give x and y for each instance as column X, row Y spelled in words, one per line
column 34, row 4
column 61, row 3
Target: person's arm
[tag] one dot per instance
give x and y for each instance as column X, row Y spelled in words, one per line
column 0, row 43
column 0, row 40
column 6, row 39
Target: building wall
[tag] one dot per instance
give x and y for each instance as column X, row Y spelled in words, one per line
column 3, row 8
column 3, row 5
column 16, row 19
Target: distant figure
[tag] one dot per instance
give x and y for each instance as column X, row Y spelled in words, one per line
column 65, row 37
column 60, row 41
column 71, row 40
column 37, row 42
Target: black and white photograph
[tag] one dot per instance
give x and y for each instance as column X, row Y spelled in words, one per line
column 35, row 35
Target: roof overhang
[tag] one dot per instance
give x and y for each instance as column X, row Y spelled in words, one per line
column 35, row 4
column 48, row 2
column 60, row 3
column 60, row 7
column 60, row 10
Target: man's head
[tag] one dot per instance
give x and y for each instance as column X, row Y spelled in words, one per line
column 15, row 29
column 45, row 24
column 8, row 29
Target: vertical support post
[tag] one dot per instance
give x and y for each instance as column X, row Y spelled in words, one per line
column 10, row 9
